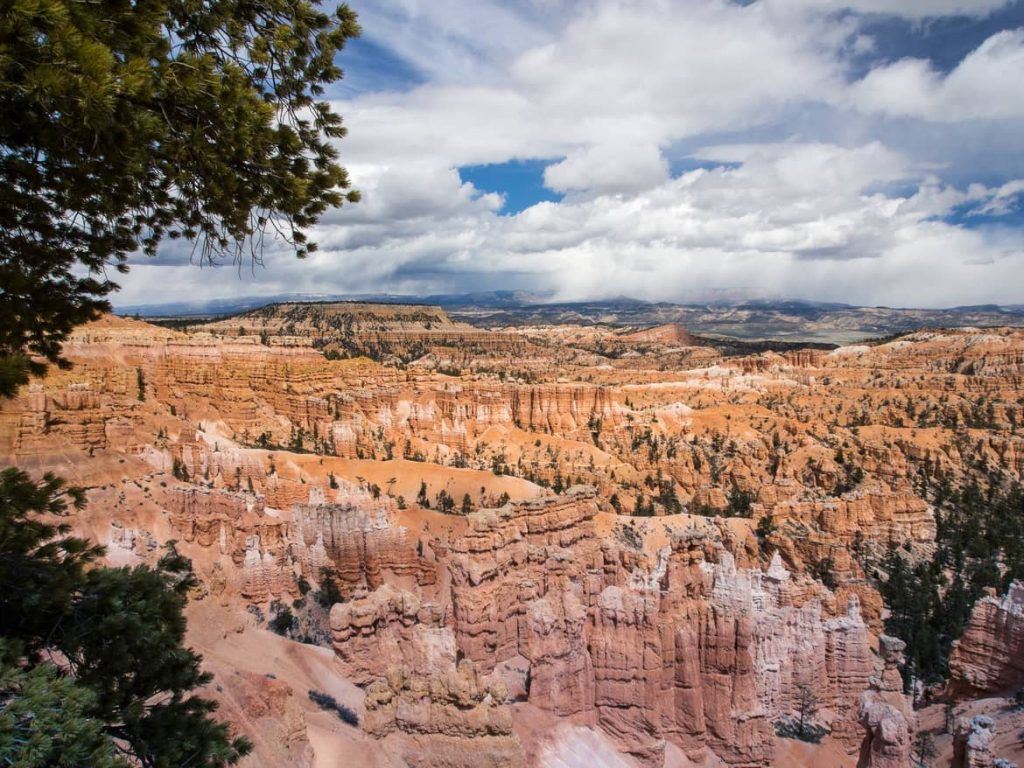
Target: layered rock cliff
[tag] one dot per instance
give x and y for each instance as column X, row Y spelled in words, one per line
column 990, row 655
column 667, row 647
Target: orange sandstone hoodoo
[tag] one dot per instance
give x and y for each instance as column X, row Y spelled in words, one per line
column 536, row 550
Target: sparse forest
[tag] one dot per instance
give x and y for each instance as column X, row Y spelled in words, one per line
column 979, row 544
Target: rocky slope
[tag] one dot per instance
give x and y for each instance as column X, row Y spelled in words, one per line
column 466, row 549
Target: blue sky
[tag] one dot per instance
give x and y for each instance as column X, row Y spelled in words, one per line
column 944, row 41
column 520, row 182
column 866, row 151
column 371, row 66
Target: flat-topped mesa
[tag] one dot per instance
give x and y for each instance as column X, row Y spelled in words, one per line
column 358, row 328
column 335, row 316
column 669, row 334
column 989, row 656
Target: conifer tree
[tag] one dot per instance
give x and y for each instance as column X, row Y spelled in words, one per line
column 128, row 124
column 129, row 680
column 45, row 721
column 125, row 126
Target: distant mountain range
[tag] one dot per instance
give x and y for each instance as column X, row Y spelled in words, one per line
column 482, row 299
column 761, row 319
column 233, row 306
column 487, row 299
column 723, row 313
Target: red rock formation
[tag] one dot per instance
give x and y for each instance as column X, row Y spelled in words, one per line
column 560, row 670
column 511, row 556
column 885, row 712
column 669, row 334
column 453, row 719
column 355, row 538
column 871, row 514
column 989, row 657
column 657, row 633
column 671, row 648
column 390, row 627
column 275, row 717
column 973, row 742
column 887, row 742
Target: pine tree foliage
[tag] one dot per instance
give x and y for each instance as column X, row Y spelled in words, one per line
column 45, row 720
column 128, row 123
column 41, row 567
column 129, row 679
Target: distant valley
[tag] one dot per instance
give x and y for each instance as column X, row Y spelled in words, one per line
column 748, row 320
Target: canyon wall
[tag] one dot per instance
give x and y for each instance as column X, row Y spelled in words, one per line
column 678, row 645
column 553, row 533
column 989, row 657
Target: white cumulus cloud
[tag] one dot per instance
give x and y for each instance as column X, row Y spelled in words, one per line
column 795, row 182
column 987, row 84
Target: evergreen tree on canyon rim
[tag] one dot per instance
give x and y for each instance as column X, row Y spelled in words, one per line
column 129, row 123
column 126, row 124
